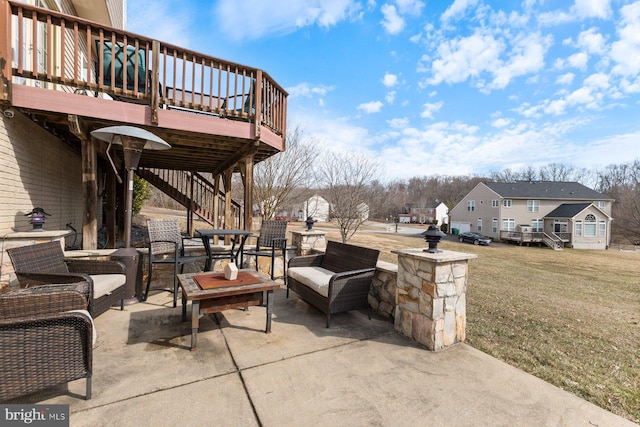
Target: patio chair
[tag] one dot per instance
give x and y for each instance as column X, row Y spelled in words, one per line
column 335, row 281
column 44, row 264
column 272, row 243
column 46, row 338
column 166, row 246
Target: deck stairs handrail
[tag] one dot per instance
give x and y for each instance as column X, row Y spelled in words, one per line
column 190, row 189
column 553, row 241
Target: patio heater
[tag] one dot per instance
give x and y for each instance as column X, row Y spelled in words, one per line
column 133, row 141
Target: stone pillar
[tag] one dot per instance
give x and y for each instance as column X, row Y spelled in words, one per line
column 308, row 240
column 431, row 296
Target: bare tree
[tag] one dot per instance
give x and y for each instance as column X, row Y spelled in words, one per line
column 347, row 179
column 276, row 177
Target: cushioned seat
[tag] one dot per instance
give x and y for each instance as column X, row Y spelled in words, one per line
column 106, row 284
column 317, row 278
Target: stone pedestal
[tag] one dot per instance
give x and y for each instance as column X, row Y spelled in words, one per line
column 308, row 241
column 431, row 296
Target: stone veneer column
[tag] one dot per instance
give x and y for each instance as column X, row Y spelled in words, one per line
column 431, row 296
column 308, row 240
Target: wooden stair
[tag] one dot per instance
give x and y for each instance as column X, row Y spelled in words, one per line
column 189, row 189
column 553, row 241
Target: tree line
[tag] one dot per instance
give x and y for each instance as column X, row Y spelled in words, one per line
column 346, row 180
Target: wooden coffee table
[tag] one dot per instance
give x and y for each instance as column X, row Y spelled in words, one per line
column 210, row 293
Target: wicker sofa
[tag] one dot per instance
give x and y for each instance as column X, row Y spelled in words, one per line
column 46, row 338
column 334, row 281
column 44, row 263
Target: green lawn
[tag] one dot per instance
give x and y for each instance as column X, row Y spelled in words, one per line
column 571, row 317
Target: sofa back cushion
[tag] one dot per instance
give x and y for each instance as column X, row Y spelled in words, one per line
column 341, row 257
column 39, row 258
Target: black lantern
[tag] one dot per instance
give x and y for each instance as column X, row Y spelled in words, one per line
column 37, row 217
column 309, row 223
column 433, row 237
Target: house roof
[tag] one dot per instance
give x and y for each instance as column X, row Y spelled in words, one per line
column 567, row 210
column 545, row 190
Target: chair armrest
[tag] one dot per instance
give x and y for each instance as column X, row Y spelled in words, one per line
column 40, row 301
column 280, row 242
column 92, row 266
column 176, row 247
column 351, row 282
column 29, row 279
column 306, row 261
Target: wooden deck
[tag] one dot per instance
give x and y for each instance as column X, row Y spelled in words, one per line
column 205, row 107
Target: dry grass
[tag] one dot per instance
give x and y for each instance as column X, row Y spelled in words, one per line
column 571, row 318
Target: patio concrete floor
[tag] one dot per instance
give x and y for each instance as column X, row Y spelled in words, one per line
column 358, row 373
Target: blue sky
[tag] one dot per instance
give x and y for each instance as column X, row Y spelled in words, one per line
column 432, row 87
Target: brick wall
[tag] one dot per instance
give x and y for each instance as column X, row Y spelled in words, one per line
column 37, row 169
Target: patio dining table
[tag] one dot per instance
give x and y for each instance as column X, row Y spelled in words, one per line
column 239, row 237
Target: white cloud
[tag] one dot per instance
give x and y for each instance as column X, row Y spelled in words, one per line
column 371, row 107
column 392, row 23
column 390, row 80
column 592, row 8
column 170, row 23
column 398, row 123
column 463, row 57
column 578, row 60
column 457, row 9
column 626, row 51
column 592, row 41
column 581, row 9
column 409, row 7
column 308, row 91
column 527, row 56
column 500, row 123
column 252, row 19
column 565, row 79
column 428, row 109
column 390, row 97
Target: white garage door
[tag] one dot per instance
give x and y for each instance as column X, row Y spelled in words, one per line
column 461, row 226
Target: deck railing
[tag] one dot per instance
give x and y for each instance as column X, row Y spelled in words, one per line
column 47, row 49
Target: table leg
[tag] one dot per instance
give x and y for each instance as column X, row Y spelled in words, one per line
column 269, row 310
column 195, row 323
column 184, row 308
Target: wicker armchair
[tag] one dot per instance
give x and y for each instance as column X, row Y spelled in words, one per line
column 42, row 342
column 167, row 246
column 44, row 264
column 272, row 243
column 335, row 281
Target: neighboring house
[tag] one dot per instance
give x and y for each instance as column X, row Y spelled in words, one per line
column 436, row 213
column 363, row 209
column 558, row 214
column 317, row 208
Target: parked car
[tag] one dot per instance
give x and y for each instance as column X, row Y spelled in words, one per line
column 475, row 238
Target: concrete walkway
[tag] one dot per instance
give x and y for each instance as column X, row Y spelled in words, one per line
column 358, row 373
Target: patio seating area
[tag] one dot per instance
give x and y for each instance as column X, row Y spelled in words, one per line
column 359, row 372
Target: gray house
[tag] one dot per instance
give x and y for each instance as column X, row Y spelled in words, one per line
column 558, row 214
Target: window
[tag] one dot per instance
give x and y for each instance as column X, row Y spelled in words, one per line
column 479, row 224
column 560, row 226
column 601, row 205
column 471, row 205
column 533, row 205
column 602, row 228
column 506, row 203
column 495, row 203
column 590, row 225
column 537, row 225
column 579, row 228
column 509, row 224
column 494, row 225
